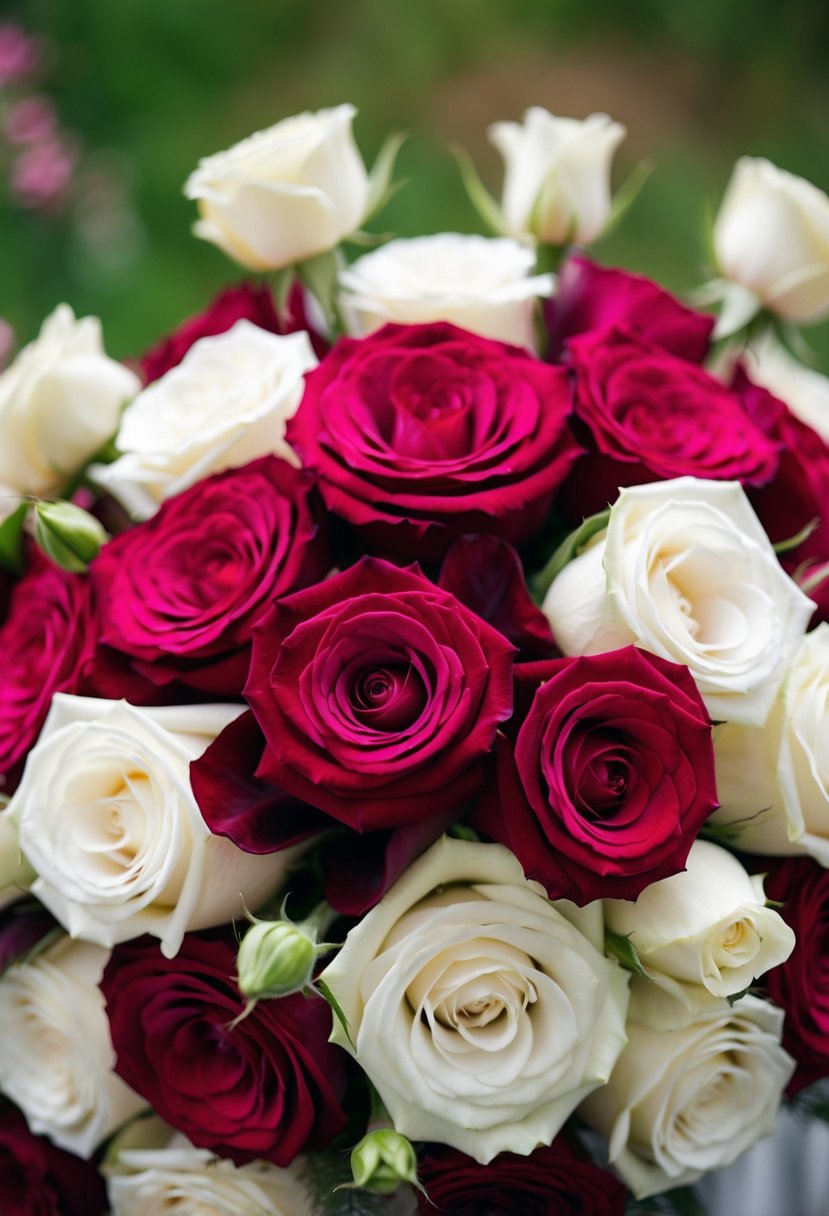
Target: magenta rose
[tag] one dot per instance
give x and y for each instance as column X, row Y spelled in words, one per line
column 553, row 1180
column 179, row 593
column 610, row 778
column 39, row 1179
column 591, row 297
column 267, row 1085
column 420, row 433
column 378, row 695
column 47, row 637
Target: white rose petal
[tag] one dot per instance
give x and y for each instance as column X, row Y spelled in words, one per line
column 482, row 284
column 108, row 820
column 771, row 238
column 60, row 401
column 804, row 390
column 284, row 194
column 56, row 1056
column 224, row 405
column 686, row 571
column 557, row 178
column 479, row 1012
column 708, row 925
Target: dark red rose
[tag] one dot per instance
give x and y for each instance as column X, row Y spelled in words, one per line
column 263, row 1086
column 378, row 695
column 801, row 984
column 420, row 433
column 590, row 297
column 180, row 593
column 244, row 302
column 39, row 1179
column 645, row 415
column 611, row 776
column 554, row 1180
column 22, row 926
column 47, row 636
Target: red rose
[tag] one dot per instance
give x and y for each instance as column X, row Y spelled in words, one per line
column 611, row 776
column 378, row 695
column 590, row 297
column 180, row 593
column 38, row 1179
column 801, row 984
column 420, row 433
column 646, row 415
column 552, row 1181
column 263, row 1086
column 47, row 636
column 245, row 302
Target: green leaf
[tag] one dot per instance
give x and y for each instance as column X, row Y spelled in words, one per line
column 381, row 186
column 336, row 1009
column 738, row 996
column 623, row 949
column 786, row 546
column 569, row 548
column 480, row 198
column 626, row 196
column 11, row 540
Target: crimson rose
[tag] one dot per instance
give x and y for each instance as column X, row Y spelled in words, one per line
column 179, row 593
column 378, row 695
column 263, row 1086
column 420, row 433
column 39, row 1179
column 611, row 776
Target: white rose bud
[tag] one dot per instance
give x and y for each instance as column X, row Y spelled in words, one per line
column 56, row 1057
column 771, row 238
column 557, row 175
column 15, row 872
column 685, row 571
column 224, row 405
column 804, row 390
column 275, row 958
column 481, row 1015
column 60, row 401
column 109, row 822
column 708, row 925
column 773, row 782
column 284, row 194
column 690, row 1091
column 482, row 284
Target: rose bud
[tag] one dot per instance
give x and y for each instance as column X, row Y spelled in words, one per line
column 382, row 1160
column 276, row 958
column 68, row 535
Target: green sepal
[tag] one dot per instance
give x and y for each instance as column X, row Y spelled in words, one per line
column 319, row 275
column 620, row 947
column 569, row 548
column 336, row 1009
column 625, row 197
column 480, row 198
column 11, row 539
column 283, row 281
column 381, row 186
column 786, row 546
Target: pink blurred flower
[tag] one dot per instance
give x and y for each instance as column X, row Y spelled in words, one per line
column 19, row 54
column 41, row 174
column 30, row 120
column 6, row 341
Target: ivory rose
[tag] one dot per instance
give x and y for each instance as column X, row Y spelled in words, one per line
column 480, row 1013
column 283, row 194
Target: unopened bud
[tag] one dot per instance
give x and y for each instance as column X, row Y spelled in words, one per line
column 274, row 959
column 68, row 535
column 382, row 1160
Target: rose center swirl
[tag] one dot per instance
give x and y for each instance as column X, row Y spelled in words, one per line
column 388, row 697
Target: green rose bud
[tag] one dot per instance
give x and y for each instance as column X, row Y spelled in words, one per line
column 68, row 535
column 274, row 959
column 382, row 1160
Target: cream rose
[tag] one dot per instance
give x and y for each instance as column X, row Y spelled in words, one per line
column 482, row 284
column 479, row 1012
column 690, row 1091
column 56, row 1057
column 771, row 238
column 773, row 782
column 557, row 175
column 708, row 925
column 109, row 822
column 284, row 194
column 225, row 404
column 60, row 400
column 685, row 571
column 805, row 391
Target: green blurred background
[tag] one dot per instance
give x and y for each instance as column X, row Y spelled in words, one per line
column 143, row 88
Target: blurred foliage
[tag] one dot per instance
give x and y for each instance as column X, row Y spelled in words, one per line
column 149, row 86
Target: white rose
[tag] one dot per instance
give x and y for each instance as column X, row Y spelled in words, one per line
column 482, row 284
column 283, row 194
column 60, row 400
column 685, row 571
column 805, row 391
column 152, row 1171
column 557, row 175
column 56, row 1056
column 690, row 1092
column 773, row 782
column 480, row 1014
column 708, row 925
column 109, row 822
column 224, row 405
column 771, row 238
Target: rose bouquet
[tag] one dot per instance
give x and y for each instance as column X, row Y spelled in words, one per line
column 413, row 709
